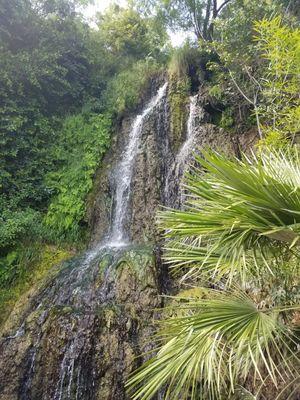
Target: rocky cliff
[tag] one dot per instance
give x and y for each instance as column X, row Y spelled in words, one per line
column 81, row 333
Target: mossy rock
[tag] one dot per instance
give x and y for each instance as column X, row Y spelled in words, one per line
column 178, row 98
column 43, row 267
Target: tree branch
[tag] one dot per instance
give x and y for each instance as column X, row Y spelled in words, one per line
column 215, row 9
column 206, row 19
column 221, row 6
column 252, row 102
column 239, row 89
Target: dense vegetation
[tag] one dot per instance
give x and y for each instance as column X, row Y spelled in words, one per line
column 54, row 66
column 64, row 86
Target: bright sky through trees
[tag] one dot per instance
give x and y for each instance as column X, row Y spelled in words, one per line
column 100, row 5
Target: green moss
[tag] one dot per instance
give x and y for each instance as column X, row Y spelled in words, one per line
column 137, row 259
column 178, row 97
column 25, row 269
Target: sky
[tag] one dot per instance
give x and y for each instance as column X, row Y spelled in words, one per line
column 99, row 5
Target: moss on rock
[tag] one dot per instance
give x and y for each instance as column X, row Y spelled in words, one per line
column 178, row 97
column 33, row 272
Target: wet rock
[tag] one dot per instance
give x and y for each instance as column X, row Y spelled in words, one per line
column 86, row 345
column 81, row 333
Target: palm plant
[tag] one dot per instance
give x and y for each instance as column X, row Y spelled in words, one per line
column 239, row 233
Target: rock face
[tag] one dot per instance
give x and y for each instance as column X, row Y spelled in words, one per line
column 82, row 333
column 78, row 336
column 154, row 156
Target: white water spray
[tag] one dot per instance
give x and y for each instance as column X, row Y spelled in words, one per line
column 180, row 164
column 187, row 147
column 124, row 172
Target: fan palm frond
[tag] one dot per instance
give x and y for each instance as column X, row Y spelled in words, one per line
column 235, row 207
column 218, row 341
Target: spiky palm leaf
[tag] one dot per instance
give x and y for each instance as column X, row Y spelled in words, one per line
column 235, row 208
column 241, row 216
column 217, row 342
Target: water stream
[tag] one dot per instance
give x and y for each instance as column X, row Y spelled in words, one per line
column 123, row 174
column 185, row 152
column 78, row 290
column 174, row 193
column 116, row 240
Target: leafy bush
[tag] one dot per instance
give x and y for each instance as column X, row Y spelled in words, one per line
column 83, row 142
column 216, row 92
column 280, row 105
column 227, row 119
column 14, row 224
column 124, row 91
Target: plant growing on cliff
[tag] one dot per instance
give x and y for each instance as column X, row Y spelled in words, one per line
column 84, row 139
column 280, row 46
column 260, row 66
column 239, row 236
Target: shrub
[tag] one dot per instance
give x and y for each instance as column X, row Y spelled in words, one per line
column 14, row 224
column 83, row 142
column 124, row 91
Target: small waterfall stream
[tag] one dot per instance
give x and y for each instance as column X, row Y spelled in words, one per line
column 173, row 193
column 83, row 295
column 116, row 240
column 124, row 170
column 187, row 147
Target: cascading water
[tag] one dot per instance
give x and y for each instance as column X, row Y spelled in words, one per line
column 187, row 147
column 124, row 170
column 180, row 164
column 71, row 306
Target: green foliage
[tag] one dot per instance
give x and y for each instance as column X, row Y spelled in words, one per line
column 181, row 60
column 196, row 16
column 83, row 142
column 239, row 206
column 227, row 120
column 216, row 91
column 54, row 65
column 280, row 46
column 214, row 342
column 128, row 36
column 14, row 224
column 124, row 92
column 273, row 139
column 23, row 268
column 258, row 69
column 45, row 70
column 239, row 228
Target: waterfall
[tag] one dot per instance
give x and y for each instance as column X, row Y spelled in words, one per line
column 123, row 174
column 173, row 192
column 187, row 147
column 84, row 323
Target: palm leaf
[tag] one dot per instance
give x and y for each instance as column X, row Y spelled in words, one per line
column 217, row 342
column 236, row 207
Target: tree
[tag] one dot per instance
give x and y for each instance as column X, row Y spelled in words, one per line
column 189, row 15
column 248, row 67
column 128, row 36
